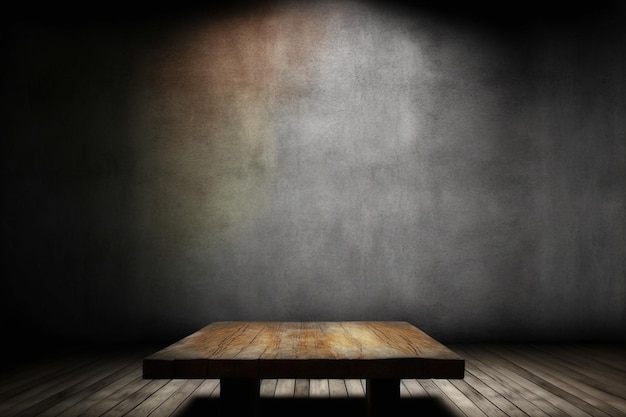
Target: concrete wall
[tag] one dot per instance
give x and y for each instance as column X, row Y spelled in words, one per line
column 335, row 161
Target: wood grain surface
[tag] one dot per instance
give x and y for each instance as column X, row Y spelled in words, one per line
column 366, row 349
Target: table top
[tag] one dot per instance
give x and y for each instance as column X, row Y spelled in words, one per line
column 355, row 349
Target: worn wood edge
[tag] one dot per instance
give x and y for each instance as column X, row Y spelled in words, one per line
column 163, row 364
column 158, row 368
column 190, row 368
column 310, row 368
column 360, row 368
column 341, row 368
column 444, row 369
column 233, row 368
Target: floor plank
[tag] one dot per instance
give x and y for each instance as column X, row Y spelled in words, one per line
column 17, row 381
column 552, row 404
column 459, row 398
column 319, row 388
column 285, row 388
column 18, row 395
column 354, row 388
column 414, row 389
column 70, row 386
column 561, row 396
column 302, row 388
column 87, row 398
column 585, row 370
column 337, row 388
column 503, row 387
column 500, row 381
column 268, row 387
column 610, row 354
column 607, row 403
column 497, row 399
column 435, row 392
column 171, row 404
column 482, row 402
column 157, row 398
column 112, row 400
column 135, row 398
column 208, row 388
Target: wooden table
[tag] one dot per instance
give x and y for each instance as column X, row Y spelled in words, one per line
column 240, row 354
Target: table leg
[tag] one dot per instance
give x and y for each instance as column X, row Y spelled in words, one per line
column 383, row 395
column 240, row 395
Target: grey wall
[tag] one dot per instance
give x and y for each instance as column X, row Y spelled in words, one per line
column 324, row 162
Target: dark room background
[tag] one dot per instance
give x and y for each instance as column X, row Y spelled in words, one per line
column 315, row 161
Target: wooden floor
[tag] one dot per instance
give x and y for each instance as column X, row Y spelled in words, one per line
column 500, row 380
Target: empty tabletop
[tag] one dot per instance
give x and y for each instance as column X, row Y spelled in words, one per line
column 355, row 349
